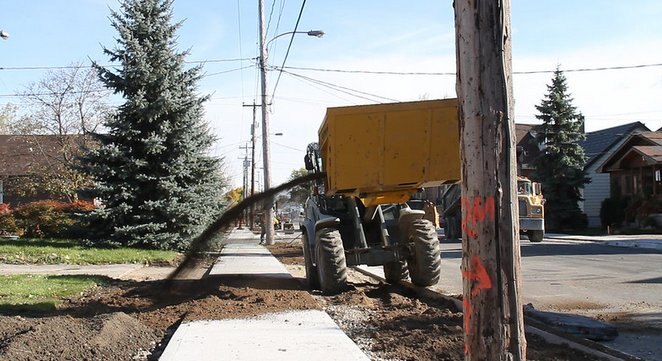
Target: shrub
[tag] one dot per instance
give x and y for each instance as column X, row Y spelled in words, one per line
column 43, row 219
column 7, row 221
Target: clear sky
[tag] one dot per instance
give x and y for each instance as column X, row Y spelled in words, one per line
column 368, row 35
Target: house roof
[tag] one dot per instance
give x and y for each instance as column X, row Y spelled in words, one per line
column 651, row 153
column 646, row 144
column 521, row 130
column 22, row 154
column 599, row 142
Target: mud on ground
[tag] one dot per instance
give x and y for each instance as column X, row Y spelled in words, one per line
column 392, row 323
column 133, row 319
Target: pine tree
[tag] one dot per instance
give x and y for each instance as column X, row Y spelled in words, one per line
column 560, row 165
column 154, row 177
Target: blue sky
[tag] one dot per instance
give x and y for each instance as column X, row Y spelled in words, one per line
column 387, row 35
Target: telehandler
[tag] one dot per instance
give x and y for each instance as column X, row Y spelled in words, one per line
column 375, row 157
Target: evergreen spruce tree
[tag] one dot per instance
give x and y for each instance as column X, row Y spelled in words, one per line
column 158, row 185
column 560, row 165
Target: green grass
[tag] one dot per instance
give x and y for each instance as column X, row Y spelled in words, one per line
column 42, row 293
column 40, row 251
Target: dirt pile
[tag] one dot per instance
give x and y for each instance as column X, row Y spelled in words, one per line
column 131, row 320
column 114, row 336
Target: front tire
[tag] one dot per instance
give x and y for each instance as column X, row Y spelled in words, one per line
column 331, row 264
column 425, row 260
column 395, row 272
column 535, row 236
column 312, row 278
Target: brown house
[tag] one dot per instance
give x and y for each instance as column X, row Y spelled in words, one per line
column 24, row 156
column 635, row 170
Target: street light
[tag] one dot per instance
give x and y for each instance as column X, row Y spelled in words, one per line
column 266, row 154
column 4, row 34
column 315, row 33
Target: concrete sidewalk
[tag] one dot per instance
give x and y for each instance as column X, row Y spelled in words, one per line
column 112, row 270
column 649, row 241
column 291, row 335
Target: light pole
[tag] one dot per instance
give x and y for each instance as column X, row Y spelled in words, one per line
column 266, row 153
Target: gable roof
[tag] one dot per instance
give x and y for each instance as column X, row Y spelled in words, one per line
column 646, row 144
column 599, row 142
column 652, row 154
column 23, row 154
column 521, row 130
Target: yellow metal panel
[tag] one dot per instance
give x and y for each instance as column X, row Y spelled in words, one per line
column 378, row 150
column 445, row 145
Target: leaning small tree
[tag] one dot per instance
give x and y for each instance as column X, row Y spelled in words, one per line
column 560, row 166
column 157, row 183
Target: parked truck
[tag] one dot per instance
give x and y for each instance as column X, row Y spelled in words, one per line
column 375, row 157
column 530, row 205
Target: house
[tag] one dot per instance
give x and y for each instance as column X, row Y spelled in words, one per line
column 24, row 156
column 635, row 169
column 598, row 146
column 527, row 149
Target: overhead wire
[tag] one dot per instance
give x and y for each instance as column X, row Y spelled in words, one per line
column 289, row 46
column 358, row 71
column 55, row 67
column 341, row 88
column 287, row 146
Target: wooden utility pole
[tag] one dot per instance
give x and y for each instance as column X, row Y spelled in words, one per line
column 253, row 126
column 493, row 316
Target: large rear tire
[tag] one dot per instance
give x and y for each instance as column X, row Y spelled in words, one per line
column 395, row 272
column 312, row 278
column 425, row 260
column 535, row 236
column 331, row 264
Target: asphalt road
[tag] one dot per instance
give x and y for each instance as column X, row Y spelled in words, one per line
column 579, row 276
column 607, row 282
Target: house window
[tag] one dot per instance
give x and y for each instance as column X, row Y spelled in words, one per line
column 658, row 175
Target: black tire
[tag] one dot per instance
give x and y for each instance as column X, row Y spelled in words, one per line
column 535, row 236
column 424, row 262
column 395, row 272
column 312, row 278
column 331, row 264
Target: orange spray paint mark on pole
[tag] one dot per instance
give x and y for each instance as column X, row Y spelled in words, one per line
column 476, row 212
column 477, row 273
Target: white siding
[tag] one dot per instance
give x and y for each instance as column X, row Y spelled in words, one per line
column 594, row 193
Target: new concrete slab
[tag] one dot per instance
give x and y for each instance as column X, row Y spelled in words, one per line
column 241, row 259
column 288, row 336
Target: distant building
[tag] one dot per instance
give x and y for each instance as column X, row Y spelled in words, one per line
column 599, row 146
column 527, row 149
column 24, row 155
column 636, row 166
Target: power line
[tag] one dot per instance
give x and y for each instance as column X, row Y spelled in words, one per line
column 54, row 67
column 27, row 95
column 453, row 73
column 287, row 146
column 341, row 88
column 289, row 46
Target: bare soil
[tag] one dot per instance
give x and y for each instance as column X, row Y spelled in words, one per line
column 133, row 319
column 393, row 323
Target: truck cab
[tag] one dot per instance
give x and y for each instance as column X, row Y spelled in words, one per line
column 531, row 209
